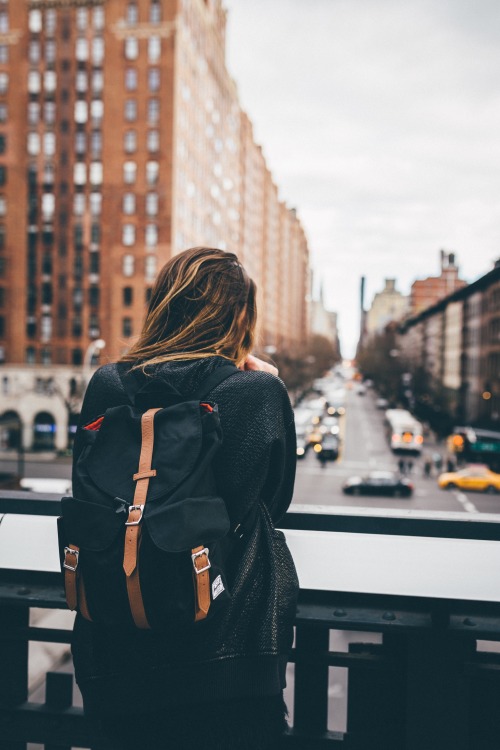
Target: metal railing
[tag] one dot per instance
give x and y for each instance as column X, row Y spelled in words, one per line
column 430, row 684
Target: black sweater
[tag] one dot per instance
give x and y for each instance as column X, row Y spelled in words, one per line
column 243, row 652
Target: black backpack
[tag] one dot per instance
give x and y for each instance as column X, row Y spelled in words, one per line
column 144, row 543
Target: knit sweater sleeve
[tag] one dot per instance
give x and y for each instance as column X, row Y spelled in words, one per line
column 258, row 454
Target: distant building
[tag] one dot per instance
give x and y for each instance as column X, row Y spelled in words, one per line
column 453, row 350
column 426, row 292
column 387, row 306
column 122, row 142
column 324, row 322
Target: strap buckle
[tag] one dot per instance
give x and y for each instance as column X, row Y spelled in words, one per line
column 132, row 508
column 76, row 555
column 201, row 552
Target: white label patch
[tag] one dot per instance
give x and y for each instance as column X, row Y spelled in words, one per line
column 217, row 587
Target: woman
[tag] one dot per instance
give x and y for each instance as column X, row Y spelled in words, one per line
column 202, row 314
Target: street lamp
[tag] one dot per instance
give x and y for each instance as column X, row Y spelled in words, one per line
column 93, row 348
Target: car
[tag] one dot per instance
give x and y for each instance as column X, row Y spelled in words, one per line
column 329, row 425
column 473, row 477
column 378, row 483
column 327, row 449
column 382, row 403
column 361, row 390
column 302, row 446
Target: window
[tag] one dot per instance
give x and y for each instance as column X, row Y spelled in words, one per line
column 128, row 296
column 95, row 233
column 153, row 140
column 81, row 81
column 46, row 328
column 95, row 200
column 128, row 265
column 49, row 174
column 34, row 82
column 130, row 141
column 151, row 235
column 152, row 204
column 98, row 17
column 127, row 327
column 150, row 267
column 155, row 11
column 34, row 52
column 30, row 353
column 50, row 51
column 49, row 81
column 154, row 49
column 4, row 22
column 129, row 203
column 33, row 145
column 154, row 79
column 81, row 19
column 97, row 50
column 3, row 174
column 129, row 172
column 3, row 205
column 94, row 262
column 35, row 21
column 152, row 171
column 131, row 48
column 130, row 112
column 49, row 144
column 4, row 54
column 80, row 142
column 94, row 296
column 131, row 79
column 97, row 81
column 79, row 204
column 128, row 235
column 49, row 113
column 96, row 143
column 96, row 112
column 153, row 111
column 81, row 112
column 82, row 50
column 48, row 206
column 76, row 357
column 4, row 83
column 132, row 13
column 95, row 173
column 50, row 20
column 80, row 173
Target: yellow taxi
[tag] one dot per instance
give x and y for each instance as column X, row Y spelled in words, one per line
column 473, row 477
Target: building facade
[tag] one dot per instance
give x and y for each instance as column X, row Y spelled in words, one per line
column 427, row 292
column 122, row 142
column 453, row 351
column 387, row 306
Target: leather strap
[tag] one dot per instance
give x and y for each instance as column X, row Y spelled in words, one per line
column 73, row 582
column 201, row 583
column 71, row 554
column 133, row 528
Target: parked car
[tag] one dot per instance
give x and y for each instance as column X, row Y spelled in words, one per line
column 473, row 477
column 378, row 483
column 382, row 403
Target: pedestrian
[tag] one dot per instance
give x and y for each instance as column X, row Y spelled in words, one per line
column 450, row 465
column 427, row 467
column 219, row 684
column 438, row 461
column 401, row 466
column 409, row 466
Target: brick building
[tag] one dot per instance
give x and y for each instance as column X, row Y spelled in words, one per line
column 426, row 292
column 122, row 141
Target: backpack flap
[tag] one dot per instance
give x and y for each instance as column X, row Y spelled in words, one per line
column 188, row 523
column 114, row 456
column 91, row 526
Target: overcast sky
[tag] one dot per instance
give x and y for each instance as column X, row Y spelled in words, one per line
column 380, row 120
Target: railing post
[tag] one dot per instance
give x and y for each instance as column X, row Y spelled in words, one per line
column 58, row 696
column 438, row 691
column 14, row 663
column 310, row 711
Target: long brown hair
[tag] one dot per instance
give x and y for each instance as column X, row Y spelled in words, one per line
column 202, row 304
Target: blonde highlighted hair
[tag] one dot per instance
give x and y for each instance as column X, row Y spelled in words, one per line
column 202, row 304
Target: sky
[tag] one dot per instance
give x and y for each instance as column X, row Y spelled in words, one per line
column 380, row 121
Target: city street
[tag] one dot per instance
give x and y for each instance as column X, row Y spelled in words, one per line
column 364, row 448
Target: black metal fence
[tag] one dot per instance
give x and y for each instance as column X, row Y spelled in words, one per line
column 432, row 683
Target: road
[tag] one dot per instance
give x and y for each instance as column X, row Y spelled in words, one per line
column 364, row 448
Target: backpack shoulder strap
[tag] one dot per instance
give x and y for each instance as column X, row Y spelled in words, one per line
column 132, row 380
column 213, row 380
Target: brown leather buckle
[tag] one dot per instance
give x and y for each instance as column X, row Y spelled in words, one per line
column 130, row 510
column 76, row 554
column 201, row 552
